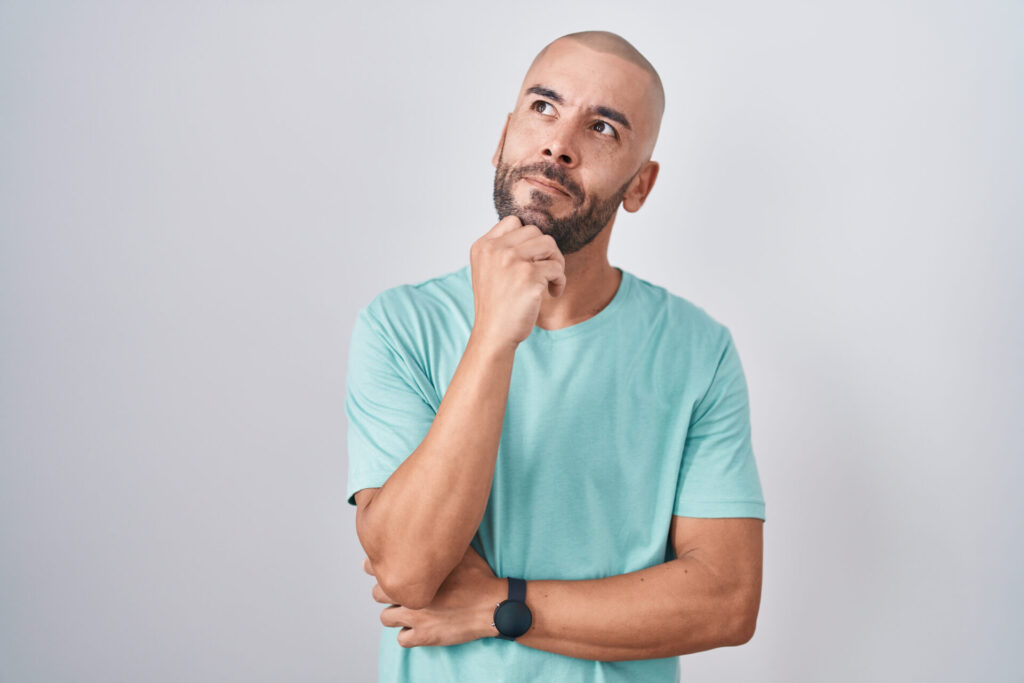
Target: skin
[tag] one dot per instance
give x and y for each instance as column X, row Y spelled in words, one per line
column 567, row 140
column 706, row 598
column 417, row 527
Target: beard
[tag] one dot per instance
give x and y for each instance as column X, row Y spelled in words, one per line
column 571, row 232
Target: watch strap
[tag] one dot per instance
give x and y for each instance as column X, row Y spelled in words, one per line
column 517, row 589
column 517, row 596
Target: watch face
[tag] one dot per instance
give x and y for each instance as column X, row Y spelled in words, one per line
column 512, row 618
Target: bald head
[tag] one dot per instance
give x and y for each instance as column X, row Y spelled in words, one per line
column 614, row 44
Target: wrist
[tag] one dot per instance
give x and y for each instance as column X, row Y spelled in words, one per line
column 494, row 592
column 489, row 345
column 512, row 616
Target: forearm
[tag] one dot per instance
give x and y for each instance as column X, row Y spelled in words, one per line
column 667, row 610
column 418, row 525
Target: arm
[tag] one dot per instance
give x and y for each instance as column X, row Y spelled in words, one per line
column 708, row 597
column 416, row 527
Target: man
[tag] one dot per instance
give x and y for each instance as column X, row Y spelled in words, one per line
column 541, row 416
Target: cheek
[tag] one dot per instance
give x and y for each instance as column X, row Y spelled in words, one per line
column 516, row 140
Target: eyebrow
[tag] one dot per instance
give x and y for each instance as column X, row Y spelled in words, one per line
column 601, row 110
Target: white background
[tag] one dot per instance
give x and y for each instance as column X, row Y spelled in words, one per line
column 195, row 199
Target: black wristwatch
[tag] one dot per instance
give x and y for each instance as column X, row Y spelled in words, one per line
column 512, row 617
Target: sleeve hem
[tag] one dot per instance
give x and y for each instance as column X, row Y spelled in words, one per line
column 714, row 509
column 371, row 480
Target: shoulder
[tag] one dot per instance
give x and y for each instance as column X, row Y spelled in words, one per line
column 678, row 317
column 410, row 310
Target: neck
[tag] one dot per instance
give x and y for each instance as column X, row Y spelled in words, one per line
column 590, row 285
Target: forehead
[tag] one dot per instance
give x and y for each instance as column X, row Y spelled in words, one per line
column 585, row 77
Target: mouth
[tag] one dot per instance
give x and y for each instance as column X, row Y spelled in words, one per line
column 546, row 185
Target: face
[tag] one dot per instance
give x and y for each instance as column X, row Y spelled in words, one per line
column 576, row 145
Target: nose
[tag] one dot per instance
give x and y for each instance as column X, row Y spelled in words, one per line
column 560, row 147
column 557, row 152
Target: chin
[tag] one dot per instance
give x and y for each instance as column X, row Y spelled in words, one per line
column 529, row 216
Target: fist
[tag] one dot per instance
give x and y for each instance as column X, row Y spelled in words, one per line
column 514, row 266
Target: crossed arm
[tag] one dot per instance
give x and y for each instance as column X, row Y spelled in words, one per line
column 708, row 597
column 418, row 526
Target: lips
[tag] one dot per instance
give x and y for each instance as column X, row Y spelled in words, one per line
column 547, row 184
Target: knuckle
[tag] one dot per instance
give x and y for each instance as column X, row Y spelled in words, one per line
column 535, row 290
column 509, row 257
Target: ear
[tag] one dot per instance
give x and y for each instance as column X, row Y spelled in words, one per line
column 640, row 187
column 501, row 143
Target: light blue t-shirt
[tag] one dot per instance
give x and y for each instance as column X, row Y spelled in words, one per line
column 612, row 426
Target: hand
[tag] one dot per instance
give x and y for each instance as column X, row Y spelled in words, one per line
column 513, row 266
column 462, row 610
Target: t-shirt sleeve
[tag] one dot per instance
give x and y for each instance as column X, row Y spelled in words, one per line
column 718, row 476
column 388, row 415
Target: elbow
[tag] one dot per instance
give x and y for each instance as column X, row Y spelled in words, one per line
column 411, row 580
column 406, row 586
column 742, row 630
column 411, row 593
column 407, row 595
column 742, row 621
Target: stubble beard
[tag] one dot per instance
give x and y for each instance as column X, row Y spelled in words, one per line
column 572, row 232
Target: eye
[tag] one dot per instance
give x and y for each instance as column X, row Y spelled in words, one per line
column 605, row 128
column 538, row 107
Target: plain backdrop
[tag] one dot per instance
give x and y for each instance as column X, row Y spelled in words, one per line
column 196, row 198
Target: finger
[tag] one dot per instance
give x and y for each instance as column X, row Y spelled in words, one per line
column 505, row 225
column 519, row 235
column 557, row 286
column 407, row 638
column 394, row 616
column 553, row 274
column 539, row 248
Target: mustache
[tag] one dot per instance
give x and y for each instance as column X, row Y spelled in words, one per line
column 552, row 172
